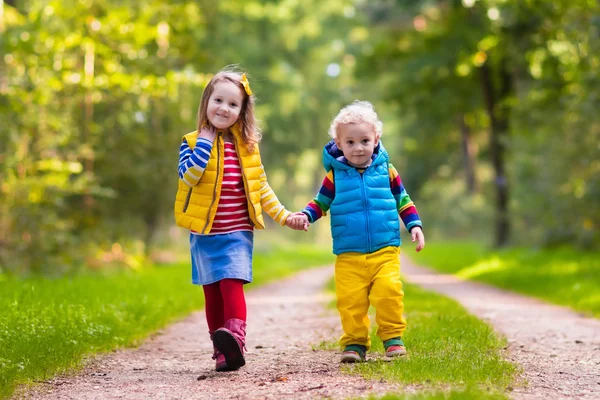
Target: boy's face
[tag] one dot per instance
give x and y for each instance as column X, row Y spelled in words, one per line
column 357, row 142
column 224, row 104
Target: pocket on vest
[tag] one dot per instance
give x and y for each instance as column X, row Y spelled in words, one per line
column 349, row 226
column 338, row 230
column 385, row 223
column 186, row 203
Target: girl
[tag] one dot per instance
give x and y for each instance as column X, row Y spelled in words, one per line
column 222, row 192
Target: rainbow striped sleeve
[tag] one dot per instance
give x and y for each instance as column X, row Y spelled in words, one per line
column 269, row 201
column 406, row 208
column 193, row 162
column 320, row 204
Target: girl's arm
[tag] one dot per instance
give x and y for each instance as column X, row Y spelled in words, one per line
column 406, row 208
column 193, row 162
column 320, row 204
column 269, row 201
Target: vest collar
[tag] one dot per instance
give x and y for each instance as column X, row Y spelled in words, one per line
column 236, row 130
column 334, row 158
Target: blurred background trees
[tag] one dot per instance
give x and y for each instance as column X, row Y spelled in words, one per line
column 489, row 111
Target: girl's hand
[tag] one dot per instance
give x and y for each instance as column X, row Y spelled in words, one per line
column 297, row 221
column 208, row 133
column 417, row 234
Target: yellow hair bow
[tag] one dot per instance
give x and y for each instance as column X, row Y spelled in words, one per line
column 246, row 84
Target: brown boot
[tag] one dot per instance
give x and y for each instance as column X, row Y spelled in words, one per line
column 231, row 341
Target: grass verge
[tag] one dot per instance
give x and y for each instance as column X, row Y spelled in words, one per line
column 562, row 276
column 451, row 354
column 48, row 326
column 455, row 394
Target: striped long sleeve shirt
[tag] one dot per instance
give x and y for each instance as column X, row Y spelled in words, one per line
column 192, row 164
column 406, row 208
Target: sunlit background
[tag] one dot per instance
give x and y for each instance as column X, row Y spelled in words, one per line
column 490, row 112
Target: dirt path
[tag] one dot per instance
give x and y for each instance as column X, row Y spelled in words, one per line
column 558, row 348
column 284, row 320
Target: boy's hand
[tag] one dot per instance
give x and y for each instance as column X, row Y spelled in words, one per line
column 297, row 221
column 417, row 234
column 207, row 133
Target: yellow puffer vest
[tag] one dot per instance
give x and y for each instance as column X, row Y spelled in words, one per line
column 196, row 206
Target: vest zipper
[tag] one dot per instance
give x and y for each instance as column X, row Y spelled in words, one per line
column 364, row 193
column 245, row 180
column 216, row 183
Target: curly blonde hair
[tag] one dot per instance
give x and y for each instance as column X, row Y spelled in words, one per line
column 357, row 113
column 251, row 134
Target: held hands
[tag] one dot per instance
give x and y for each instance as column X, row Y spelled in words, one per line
column 417, row 235
column 208, row 133
column 297, row 221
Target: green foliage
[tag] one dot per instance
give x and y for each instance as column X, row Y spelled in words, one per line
column 92, row 94
column 47, row 326
column 427, row 59
column 95, row 96
column 534, row 272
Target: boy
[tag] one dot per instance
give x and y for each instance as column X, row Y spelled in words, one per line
column 366, row 197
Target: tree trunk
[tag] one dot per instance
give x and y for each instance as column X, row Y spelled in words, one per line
column 468, row 156
column 88, row 117
column 151, row 209
column 13, row 4
column 498, row 113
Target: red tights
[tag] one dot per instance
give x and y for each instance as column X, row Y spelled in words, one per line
column 224, row 300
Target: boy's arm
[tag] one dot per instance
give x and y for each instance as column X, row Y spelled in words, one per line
column 192, row 163
column 406, row 208
column 269, row 201
column 320, row 204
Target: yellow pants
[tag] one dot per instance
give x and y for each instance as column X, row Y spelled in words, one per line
column 363, row 279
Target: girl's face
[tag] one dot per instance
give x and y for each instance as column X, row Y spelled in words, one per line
column 357, row 142
column 224, row 104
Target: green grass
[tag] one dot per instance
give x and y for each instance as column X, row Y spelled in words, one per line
column 48, row 326
column 451, row 354
column 562, row 276
column 455, row 394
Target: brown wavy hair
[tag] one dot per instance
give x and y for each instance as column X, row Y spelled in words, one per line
column 251, row 134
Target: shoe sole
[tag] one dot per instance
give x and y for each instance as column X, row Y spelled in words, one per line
column 227, row 344
column 351, row 359
column 222, row 368
column 396, row 353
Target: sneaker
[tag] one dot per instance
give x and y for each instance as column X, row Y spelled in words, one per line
column 354, row 353
column 394, row 347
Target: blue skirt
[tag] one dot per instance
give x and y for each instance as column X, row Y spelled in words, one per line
column 216, row 257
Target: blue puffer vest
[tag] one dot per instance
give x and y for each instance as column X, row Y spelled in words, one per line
column 364, row 217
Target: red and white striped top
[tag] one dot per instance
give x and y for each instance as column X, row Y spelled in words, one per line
column 232, row 211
